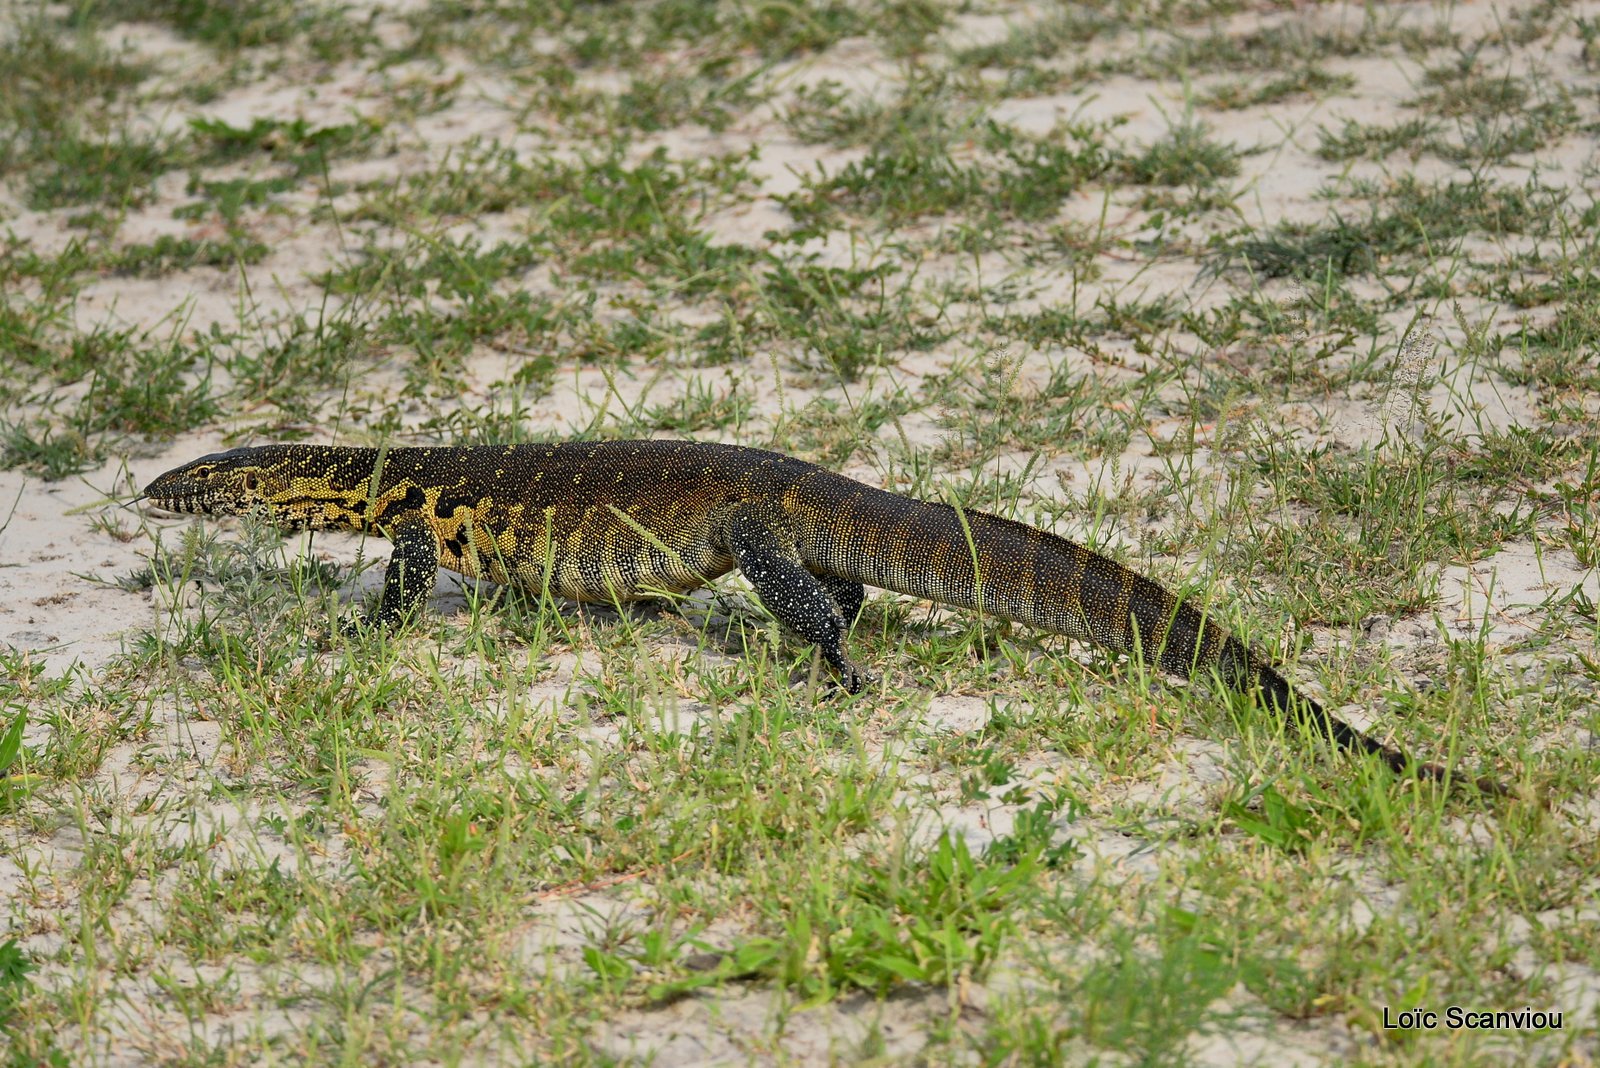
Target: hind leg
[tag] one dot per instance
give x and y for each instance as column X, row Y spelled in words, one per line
column 848, row 595
column 764, row 549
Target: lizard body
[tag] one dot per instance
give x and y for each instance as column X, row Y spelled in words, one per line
column 613, row 521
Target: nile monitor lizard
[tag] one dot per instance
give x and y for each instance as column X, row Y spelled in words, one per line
column 611, row 521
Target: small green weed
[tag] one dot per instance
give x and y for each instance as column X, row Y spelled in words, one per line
column 117, row 171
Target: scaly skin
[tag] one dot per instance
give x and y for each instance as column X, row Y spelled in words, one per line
column 621, row 520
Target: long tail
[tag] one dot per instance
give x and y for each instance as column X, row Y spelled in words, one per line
column 1280, row 696
column 983, row 562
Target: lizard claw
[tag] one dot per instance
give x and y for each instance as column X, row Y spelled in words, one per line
column 357, row 624
column 853, row 679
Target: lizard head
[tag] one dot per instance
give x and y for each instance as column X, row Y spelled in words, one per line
column 294, row 486
column 224, row 483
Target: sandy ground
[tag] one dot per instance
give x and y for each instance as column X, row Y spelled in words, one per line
column 64, row 544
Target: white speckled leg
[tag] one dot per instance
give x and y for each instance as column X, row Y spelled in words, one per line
column 761, row 542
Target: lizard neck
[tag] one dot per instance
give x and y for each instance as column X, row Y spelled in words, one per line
column 327, row 487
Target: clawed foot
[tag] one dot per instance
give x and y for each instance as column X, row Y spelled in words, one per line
column 358, row 624
column 853, row 679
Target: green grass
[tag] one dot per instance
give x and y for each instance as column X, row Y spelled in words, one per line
column 916, row 240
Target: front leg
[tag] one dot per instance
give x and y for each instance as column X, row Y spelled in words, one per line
column 407, row 580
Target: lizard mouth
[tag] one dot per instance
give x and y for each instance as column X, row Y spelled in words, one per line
column 166, row 502
column 224, row 507
column 174, row 506
column 172, row 494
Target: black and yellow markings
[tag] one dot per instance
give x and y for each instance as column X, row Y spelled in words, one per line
column 309, row 500
column 467, row 537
